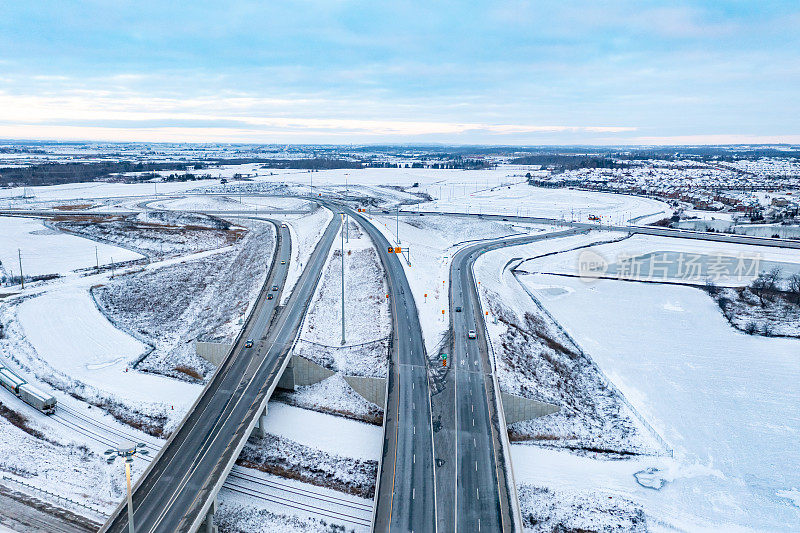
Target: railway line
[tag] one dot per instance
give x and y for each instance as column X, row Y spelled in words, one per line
column 241, row 480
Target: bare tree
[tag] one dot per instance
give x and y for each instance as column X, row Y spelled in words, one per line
column 793, row 286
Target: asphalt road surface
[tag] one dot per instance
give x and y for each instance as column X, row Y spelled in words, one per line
column 647, row 230
column 480, row 497
column 405, row 499
column 178, row 487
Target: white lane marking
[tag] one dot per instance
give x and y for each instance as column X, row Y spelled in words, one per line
column 473, row 422
column 413, row 493
column 476, row 466
column 477, row 494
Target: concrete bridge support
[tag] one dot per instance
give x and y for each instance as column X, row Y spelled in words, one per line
column 516, row 408
column 260, row 429
column 208, row 524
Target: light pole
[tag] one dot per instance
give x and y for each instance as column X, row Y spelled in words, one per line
column 397, row 224
column 342, row 232
column 21, row 276
column 127, row 451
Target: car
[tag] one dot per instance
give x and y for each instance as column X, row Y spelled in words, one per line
column 505, row 220
column 458, row 309
column 270, row 296
column 471, row 334
column 248, row 343
column 274, row 287
column 283, row 262
column 284, row 226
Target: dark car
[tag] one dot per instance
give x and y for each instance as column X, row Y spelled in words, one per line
column 458, row 309
column 270, row 296
column 274, row 287
column 249, row 343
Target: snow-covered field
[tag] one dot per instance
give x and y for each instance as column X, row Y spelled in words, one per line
column 47, row 251
column 535, row 359
column 232, row 203
column 654, row 258
column 202, row 298
column 728, row 403
column 73, row 339
column 566, row 204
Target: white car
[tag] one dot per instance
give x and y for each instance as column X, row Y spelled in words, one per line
column 471, row 334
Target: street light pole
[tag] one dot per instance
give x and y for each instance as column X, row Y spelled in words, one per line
column 131, row 527
column 397, row 224
column 343, row 338
column 21, row 277
column 127, row 452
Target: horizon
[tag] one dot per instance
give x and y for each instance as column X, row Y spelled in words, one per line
column 510, row 73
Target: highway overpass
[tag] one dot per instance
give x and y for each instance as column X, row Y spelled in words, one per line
column 178, row 490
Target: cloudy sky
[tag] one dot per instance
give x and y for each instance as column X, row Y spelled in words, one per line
column 340, row 71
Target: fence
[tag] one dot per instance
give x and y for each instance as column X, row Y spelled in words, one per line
column 57, row 497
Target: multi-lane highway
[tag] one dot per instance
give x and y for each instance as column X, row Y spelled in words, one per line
column 646, row 230
column 177, row 489
column 475, row 483
column 406, row 493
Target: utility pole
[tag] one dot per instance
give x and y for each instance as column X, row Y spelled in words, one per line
column 348, row 228
column 343, row 339
column 97, row 260
column 112, row 267
column 21, row 277
column 397, row 224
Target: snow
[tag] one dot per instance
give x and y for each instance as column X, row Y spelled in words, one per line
column 330, row 434
column 305, row 231
column 46, row 251
column 728, row 403
column 232, row 203
column 535, row 359
column 433, row 241
column 74, row 338
column 566, row 204
column 647, row 248
column 368, row 319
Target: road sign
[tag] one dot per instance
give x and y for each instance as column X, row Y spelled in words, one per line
column 444, row 356
column 391, row 250
column 398, row 250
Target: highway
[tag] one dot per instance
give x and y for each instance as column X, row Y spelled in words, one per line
column 646, row 230
column 406, row 494
column 482, row 497
column 177, row 489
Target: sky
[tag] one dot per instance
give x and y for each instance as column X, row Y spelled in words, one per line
column 340, row 72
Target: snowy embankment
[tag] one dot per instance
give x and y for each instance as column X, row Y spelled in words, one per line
column 204, row 299
column 46, row 251
column 536, row 360
column 433, row 241
column 367, row 329
column 155, row 233
column 728, row 403
column 233, row 203
column 305, row 231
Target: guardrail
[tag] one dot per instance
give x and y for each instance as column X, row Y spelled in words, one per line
column 58, row 497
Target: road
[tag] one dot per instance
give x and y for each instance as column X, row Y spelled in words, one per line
column 406, row 494
column 480, row 497
column 646, row 230
column 178, row 487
